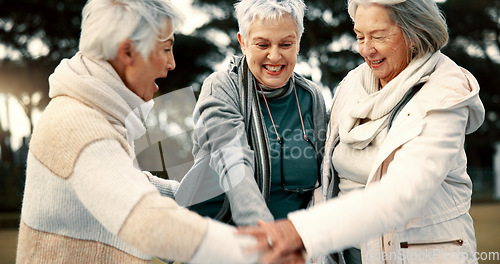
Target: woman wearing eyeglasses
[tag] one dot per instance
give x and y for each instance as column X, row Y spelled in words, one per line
column 260, row 126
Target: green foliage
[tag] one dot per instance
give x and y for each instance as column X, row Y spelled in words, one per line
column 55, row 22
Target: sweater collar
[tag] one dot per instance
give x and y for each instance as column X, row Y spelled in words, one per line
column 96, row 83
column 275, row 93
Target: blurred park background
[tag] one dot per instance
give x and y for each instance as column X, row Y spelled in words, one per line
column 35, row 35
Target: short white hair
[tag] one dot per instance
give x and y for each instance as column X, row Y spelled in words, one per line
column 248, row 10
column 106, row 23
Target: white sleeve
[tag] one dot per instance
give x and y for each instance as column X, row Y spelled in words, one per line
column 222, row 245
column 107, row 183
column 419, row 167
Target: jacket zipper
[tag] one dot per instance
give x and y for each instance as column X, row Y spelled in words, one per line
column 458, row 242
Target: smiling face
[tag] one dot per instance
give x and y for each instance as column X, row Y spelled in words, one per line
column 381, row 42
column 141, row 74
column 271, row 50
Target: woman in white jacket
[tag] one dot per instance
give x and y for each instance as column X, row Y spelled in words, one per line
column 395, row 149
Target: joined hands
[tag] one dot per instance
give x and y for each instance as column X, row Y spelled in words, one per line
column 277, row 242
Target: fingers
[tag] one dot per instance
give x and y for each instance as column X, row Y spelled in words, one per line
column 288, row 258
column 295, row 258
column 277, row 242
column 260, row 235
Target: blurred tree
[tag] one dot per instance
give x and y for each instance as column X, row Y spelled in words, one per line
column 475, row 44
column 327, row 42
column 329, row 45
column 38, row 34
column 195, row 58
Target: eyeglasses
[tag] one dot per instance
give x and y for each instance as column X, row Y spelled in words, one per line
column 284, row 185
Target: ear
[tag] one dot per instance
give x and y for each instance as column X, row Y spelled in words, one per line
column 242, row 43
column 412, row 44
column 126, row 51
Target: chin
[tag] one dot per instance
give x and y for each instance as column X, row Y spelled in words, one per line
column 274, row 84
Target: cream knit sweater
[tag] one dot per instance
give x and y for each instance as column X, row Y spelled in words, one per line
column 85, row 201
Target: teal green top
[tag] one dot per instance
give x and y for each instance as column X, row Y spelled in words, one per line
column 295, row 158
column 300, row 164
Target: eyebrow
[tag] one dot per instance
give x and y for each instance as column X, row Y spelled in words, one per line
column 261, row 38
column 171, row 40
column 371, row 32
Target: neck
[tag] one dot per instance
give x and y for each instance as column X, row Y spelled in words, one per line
column 272, row 93
column 119, row 68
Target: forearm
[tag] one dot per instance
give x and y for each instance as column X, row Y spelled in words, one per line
column 221, row 135
column 122, row 199
column 246, row 201
column 157, row 226
column 222, row 244
column 419, row 167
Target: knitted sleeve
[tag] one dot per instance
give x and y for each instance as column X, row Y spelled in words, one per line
column 122, row 199
column 167, row 188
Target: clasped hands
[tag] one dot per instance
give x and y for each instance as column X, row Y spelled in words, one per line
column 277, row 242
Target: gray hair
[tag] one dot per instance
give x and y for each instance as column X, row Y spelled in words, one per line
column 106, row 23
column 248, row 10
column 422, row 23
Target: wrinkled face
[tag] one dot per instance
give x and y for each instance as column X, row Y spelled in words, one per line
column 271, row 50
column 141, row 75
column 381, row 42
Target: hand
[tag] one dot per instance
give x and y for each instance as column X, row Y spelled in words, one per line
column 279, row 241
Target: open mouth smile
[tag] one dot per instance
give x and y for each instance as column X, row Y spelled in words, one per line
column 377, row 62
column 274, row 69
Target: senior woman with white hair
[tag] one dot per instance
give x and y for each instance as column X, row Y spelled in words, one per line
column 84, row 200
column 260, row 125
column 395, row 149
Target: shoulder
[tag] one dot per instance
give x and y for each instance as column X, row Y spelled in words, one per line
column 219, row 84
column 311, row 87
column 220, row 81
column 306, row 83
column 66, row 127
column 221, row 88
column 447, row 86
column 450, row 77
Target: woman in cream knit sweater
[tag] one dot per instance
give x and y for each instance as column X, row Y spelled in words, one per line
column 84, row 200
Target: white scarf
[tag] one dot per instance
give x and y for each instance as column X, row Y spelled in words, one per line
column 97, row 84
column 369, row 103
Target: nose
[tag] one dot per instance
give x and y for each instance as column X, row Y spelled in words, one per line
column 274, row 53
column 367, row 48
column 171, row 63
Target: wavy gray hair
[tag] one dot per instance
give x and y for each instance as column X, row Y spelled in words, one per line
column 422, row 23
column 248, row 10
column 106, row 23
